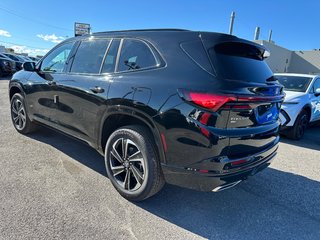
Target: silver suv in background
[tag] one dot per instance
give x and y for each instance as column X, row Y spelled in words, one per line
column 302, row 103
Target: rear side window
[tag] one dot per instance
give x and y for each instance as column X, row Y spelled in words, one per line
column 89, row 56
column 240, row 61
column 111, row 57
column 197, row 53
column 135, row 55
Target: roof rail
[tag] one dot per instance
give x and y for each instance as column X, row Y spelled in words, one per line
column 147, row 30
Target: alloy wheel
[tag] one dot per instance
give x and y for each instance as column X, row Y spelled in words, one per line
column 18, row 114
column 127, row 164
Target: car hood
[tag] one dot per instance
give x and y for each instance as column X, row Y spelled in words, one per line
column 292, row 96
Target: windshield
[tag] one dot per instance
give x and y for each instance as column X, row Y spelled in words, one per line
column 4, row 56
column 12, row 57
column 21, row 58
column 294, row 83
column 15, row 57
column 26, row 58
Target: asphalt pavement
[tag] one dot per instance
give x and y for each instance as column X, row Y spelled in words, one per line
column 55, row 187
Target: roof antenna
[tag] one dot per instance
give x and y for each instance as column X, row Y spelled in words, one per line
column 256, row 33
column 233, row 15
column 270, row 36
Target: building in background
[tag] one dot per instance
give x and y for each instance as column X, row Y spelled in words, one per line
column 285, row 60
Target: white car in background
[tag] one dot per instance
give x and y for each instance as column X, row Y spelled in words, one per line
column 301, row 105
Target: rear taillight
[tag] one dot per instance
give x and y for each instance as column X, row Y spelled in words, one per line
column 214, row 102
column 206, row 100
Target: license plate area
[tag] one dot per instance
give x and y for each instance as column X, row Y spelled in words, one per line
column 266, row 113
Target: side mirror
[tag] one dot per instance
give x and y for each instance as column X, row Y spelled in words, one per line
column 317, row 92
column 29, row 66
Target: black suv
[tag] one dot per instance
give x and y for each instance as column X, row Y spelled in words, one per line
column 7, row 66
column 194, row 109
column 17, row 59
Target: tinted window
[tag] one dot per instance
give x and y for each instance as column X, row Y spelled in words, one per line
column 135, row 55
column 89, row 56
column 3, row 56
column 110, row 61
column 12, row 57
column 240, row 61
column 56, row 60
column 316, row 84
column 198, row 54
column 294, row 83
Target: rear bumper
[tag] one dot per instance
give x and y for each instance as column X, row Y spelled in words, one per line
column 224, row 177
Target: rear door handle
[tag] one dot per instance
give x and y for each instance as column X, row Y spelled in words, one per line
column 97, row 89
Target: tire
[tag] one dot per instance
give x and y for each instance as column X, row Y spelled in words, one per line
column 19, row 115
column 299, row 127
column 141, row 177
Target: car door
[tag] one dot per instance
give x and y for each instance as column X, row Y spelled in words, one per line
column 133, row 80
column 85, row 89
column 42, row 97
column 315, row 101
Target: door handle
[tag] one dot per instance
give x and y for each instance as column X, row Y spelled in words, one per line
column 97, row 89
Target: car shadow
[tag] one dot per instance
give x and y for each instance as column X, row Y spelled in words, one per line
column 274, row 204
column 72, row 147
column 310, row 140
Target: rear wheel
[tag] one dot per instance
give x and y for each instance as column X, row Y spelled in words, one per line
column 299, row 126
column 19, row 115
column 132, row 163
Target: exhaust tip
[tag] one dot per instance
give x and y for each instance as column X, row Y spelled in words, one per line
column 226, row 186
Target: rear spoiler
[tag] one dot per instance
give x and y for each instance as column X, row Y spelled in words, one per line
column 229, row 44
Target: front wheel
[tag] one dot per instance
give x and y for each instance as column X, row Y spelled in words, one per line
column 299, row 126
column 19, row 115
column 132, row 163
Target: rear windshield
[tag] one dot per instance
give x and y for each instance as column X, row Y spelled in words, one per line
column 240, row 61
column 294, row 83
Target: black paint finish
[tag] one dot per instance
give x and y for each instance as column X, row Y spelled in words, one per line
column 196, row 146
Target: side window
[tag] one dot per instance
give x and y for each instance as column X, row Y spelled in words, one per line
column 111, row 57
column 89, row 56
column 135, row 55
column 316, row 84
column 56, row 60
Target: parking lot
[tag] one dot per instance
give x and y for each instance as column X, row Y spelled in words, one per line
column 54, row 187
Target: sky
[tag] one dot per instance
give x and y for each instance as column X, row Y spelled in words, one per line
column 37, row 26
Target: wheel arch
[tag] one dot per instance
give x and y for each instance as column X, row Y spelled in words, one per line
column 14, row 88
column 307, row 108
column 116, row 119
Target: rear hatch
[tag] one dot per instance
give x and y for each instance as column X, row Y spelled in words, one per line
column 256, row 96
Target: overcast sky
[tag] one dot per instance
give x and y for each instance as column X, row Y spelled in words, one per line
column 36, row 26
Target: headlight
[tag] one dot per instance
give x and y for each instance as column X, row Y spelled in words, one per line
column 6, row 63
